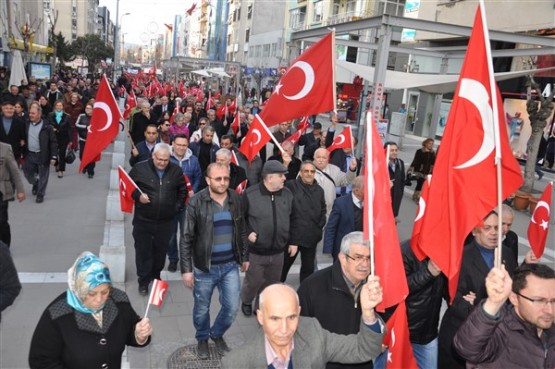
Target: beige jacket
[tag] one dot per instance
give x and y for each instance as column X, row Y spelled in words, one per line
column 10, row 176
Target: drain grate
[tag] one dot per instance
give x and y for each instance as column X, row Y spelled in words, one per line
column 186, row 358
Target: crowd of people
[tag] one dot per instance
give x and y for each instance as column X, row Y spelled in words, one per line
column 202, row 206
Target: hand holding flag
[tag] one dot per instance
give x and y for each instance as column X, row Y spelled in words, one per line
column 157, row 294
column 126, row 188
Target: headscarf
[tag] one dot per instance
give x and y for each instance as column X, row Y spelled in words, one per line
column 87, row 273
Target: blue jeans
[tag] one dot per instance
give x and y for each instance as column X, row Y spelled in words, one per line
column 226, row 278
column 425, row 355
column 173, row 250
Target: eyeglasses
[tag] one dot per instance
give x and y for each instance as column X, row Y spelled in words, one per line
column 359, row 258
column 539, row 302
column 220, row 179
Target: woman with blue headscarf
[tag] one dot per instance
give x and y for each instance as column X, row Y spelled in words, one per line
column 89, row 325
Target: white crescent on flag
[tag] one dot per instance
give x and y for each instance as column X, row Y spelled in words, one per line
column 257, row 133
column 544, row 223
column 102, row 105
column 309, row 80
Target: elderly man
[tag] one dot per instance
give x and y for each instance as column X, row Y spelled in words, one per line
column 516, row 335
column 288, row 340
column 237, row 175
column 213, row 246
column 329, row 176
column 332, row 295
column 10, row 182
column 12, row 128
column 268, row 208
column 205, row 149
column 253, row 169
column 141, row 120
column 309, row 216
column 160, row 196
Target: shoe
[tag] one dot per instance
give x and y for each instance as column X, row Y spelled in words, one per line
column 91, row 175
column 221, row 346
column 246, row 309
column 172, row 267
column 60, row 174
column 540, row 176
column 202, row 350
column 143, row 290
column 35, row 187
column 39, row 199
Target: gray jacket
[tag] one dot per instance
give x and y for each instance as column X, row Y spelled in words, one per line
column 314, row 347
column 9, row 173
column 196, row 243
column 268, row 214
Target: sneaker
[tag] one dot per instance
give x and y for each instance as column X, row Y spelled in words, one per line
column 221, row 346
column 143, row 290
column 540, row 176
column 246, row 309
column 172, row 267
column 202, row 350
column 39, row 199
column 35, row 187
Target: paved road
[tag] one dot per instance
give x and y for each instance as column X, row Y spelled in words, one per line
column 48, row 237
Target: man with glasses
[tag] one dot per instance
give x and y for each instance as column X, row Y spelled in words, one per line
column 332, row 295
column 268, row 208
column 477, row 260
column 161, row 195
column 516, row 335
column 213, row 247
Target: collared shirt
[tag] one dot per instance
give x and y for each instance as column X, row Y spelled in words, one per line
column 356, row 201
column 273, row 359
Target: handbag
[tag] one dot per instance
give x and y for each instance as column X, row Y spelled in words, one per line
column 70, row 156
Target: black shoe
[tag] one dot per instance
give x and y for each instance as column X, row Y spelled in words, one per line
column 39, row 199
column 246, row 309
column 35, row 187
column 91, row 175
column 143, row 290
column 221, row 346
column 172, row 267
column 202, row 350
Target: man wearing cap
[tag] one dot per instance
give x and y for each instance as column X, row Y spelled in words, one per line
column 12, row 128
column 268, row 208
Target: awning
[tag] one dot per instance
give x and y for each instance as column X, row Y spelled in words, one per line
column 201, row 72
column 432, row 83
column 19, row 45
column 219, row 72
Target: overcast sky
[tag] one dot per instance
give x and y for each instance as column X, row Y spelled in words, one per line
column 147, row 16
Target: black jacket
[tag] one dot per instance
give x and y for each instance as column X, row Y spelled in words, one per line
column 47, row 142
column 426, row 293
column 325, row 296
column 196, row 243
column 309, row 213
column 15, row 136
column 63, row 129
column 167, row 194
column 9, row 281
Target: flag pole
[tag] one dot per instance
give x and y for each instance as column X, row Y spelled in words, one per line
column 496, row 131
column 131, row 179
column 333, row 87
column 271, row 135
column 370, row 191
column 149, row 300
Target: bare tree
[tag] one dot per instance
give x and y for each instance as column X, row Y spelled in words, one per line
column 538, row 111
column 27, row 32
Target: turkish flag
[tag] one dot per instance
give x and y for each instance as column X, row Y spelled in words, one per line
column 131, row 103
column 419, row 219
column 189, row 188
column 301, row 129
column 175, row 111
column 257, row 136
column 343, row 140
column 126, row 188
column 209, row 102
column 379, row 221
column 221, row 112
column 303, row 124
column 234, row 159
column 241, row 187
column 465, row 181
column 104, row 124
column 397, row 339
column 235, row 125
column 157, row 293
column 308, row 86
column 294, row 138
column 539, row 223
column 180, row 89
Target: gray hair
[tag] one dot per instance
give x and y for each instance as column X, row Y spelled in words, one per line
column 178, row 116
column 358, row 182
column 208, row 128
column 225, row 152
column 353, row 238
column 188, row 115
column 162, row 147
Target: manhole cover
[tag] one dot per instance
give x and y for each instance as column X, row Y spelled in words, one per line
column 186, row 358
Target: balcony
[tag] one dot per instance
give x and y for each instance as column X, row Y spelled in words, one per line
column 346, row 17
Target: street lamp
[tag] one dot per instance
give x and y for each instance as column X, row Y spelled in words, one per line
column 117, row 40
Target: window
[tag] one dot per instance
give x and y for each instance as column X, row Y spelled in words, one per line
column 317, row 11
column 266, row 50
column 247, row 34
column 249, row 12
column 273, row 48
column 296, row 18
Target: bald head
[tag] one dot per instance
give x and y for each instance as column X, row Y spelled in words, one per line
column 279, row 291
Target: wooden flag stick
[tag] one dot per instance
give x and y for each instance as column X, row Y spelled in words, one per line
column 370, row 191
column 271, row 135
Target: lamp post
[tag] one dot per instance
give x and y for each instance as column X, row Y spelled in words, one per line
column 117, row 40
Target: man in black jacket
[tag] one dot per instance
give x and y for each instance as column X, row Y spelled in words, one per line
column 332, row 295
column 161, row 194
column 211, row 252
column 41, row 151
column 309, row 217
column 12, row 129
column 9, row 281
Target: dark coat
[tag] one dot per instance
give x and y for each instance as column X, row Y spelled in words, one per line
column 426, row 294
column 325, row 296
column 506, row 342
column 167, row 194
column 47, row 141
column 66, row 338
column 195, row 246
column 397, row 191
column 14, row 136
column 340, row 222
column 63, row 129
column 144, row 153
column 472, row 277
column 309, row 213
column 9, row 281
column 292, row 169
column 140, row 122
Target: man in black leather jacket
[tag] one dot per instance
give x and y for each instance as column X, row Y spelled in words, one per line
column 161, row 194
column 213, row 245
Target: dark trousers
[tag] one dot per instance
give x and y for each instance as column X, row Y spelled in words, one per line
column 62, row 148
column 5, row 234
column 33, row 166
column 89, row 168
column 308, row 255
column 173, row 245
column 151, row 242
column 263, row 271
